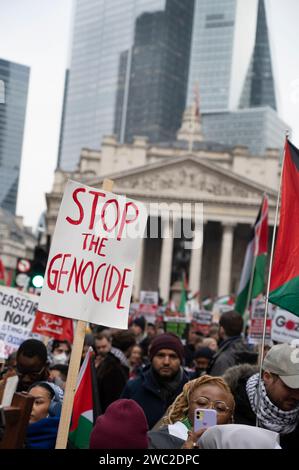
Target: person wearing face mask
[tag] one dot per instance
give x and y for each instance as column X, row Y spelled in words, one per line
column 60, row 352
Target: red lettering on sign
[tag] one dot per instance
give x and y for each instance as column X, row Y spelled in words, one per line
column 61, row 272
column 96, row 195
column 124, row 220
column 81, row 216
column 122, row 287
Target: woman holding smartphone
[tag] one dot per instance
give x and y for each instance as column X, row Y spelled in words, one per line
column 204, row 393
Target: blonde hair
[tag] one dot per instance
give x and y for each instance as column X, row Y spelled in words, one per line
column 179, row 408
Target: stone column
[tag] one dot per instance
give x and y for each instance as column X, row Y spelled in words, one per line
column 224, row 278
column 196, row 262
column 166, row 260
column 139, row 271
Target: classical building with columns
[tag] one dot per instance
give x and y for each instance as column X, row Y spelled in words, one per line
column 227, row 183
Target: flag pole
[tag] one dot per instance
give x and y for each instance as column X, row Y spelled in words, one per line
column 268, row 286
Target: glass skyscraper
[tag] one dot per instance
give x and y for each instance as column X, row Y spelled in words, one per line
column 231, row 62
column 14, row 79
column 128, row 73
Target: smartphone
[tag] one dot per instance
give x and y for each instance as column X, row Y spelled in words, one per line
column 204, row 418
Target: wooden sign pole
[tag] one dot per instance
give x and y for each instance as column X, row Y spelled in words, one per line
column 70, row 387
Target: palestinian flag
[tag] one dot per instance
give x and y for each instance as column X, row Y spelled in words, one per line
column 184, row 289
column 82, row 418
column 284, row 282
column 255, row 258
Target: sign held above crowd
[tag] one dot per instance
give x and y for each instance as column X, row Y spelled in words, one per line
column 90, row 270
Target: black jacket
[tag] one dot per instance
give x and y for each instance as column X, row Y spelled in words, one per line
column 111, row 376
column 161, row 439
column 146, row 391
column 232, row 352
column 243, row 411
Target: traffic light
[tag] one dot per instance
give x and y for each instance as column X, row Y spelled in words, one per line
column 38, row 268
column 22, row 276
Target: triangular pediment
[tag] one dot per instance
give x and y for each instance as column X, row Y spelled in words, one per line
column 187, row 178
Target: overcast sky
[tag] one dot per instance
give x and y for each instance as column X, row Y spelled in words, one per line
column 37, row 33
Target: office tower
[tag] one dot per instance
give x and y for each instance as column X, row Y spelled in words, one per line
column 231, row 61
column 128, row 73
column 14, row 80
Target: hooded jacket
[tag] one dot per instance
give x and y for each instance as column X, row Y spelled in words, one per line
column 232, row 352
column 236, row 378
column 146, row 391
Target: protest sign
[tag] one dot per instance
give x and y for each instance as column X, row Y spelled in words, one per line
column 285, row 326
column 90, row 269
column 257, row 321
column 176, row 325
column 54, row 326
column 202, row 320
column 17, row 313
column 149, row 305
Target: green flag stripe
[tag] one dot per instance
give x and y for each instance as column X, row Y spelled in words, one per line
column 286, row 296
column 242, row 299
column 258, row 284
column 80, row 437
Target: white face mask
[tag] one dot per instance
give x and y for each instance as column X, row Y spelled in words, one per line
column 60, row 359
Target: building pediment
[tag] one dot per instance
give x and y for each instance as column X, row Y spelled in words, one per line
column 187, row 179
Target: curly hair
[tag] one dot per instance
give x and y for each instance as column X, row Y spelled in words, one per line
column 179, row 408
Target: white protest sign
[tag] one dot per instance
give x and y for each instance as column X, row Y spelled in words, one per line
column 257, row 316
column 285, row 327
column 149, row 305
column 95, row 245
column 17, row 313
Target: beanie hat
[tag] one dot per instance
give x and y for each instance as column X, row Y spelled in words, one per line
column 139, row 321
column 204, row 352
column 166, row 341
column 123, row 426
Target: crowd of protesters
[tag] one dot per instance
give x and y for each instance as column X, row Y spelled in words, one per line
column 148, row 384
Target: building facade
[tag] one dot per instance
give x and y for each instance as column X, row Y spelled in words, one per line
column 16, row 240
column 227, row 183
column 15, row 79
column 128, row 72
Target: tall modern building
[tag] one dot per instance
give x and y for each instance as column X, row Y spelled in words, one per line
column 231, row 62
column 128, row 73
column 14, row 79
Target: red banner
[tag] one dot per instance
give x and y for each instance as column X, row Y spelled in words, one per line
column 54, row 326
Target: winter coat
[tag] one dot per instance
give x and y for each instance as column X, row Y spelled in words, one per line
column 232, row 352
column 236, row 378
column 161, row 439
column 146, row 391
column 42, row 434
column 112, row 376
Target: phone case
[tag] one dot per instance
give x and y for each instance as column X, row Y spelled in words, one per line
column 204, row 418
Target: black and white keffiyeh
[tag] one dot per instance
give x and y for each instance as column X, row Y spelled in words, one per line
column 269, row 416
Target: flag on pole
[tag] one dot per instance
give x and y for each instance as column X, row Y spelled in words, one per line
column 284, row 282
column 184, row 288
column 82, row 418
column 255, row 259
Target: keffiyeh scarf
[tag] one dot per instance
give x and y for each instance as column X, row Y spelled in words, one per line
column 269, row 416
